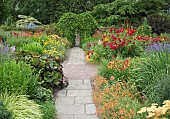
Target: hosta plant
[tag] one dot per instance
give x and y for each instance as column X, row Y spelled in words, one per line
column 48, row 67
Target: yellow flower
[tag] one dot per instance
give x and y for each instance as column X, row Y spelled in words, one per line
column 162, row 39
column 106, row 39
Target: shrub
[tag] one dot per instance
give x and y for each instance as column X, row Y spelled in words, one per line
column 16, row 77
column 21, row 107
column 87, row 24
column 4, row 113
column 27, row 23
column 48, row 109
column 159, row 23
column 67, row 26
column 144, row 29
column 71, row 23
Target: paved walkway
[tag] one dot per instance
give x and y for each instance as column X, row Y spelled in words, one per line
column 75, row 101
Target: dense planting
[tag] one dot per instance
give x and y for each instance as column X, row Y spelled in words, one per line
column 133, row 68
column 31, row 65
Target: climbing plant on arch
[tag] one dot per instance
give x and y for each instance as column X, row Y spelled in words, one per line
column 71, row 23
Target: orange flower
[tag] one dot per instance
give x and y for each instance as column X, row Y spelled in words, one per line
column 112, row 78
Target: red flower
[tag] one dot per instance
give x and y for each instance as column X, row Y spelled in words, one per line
column 0, row 38
column 104, row 44
column 113, row 56
column 123, row 43
column 111, row 30
column 113, row 37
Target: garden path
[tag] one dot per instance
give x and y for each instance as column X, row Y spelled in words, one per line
column 75, row 101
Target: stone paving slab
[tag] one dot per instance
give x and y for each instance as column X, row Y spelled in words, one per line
column 71, row 109
column 79, row 92
column 65, row 100
column 86, row 117
column 61, row 93
column 65, row 117
column 90, row 109
column 83, row 100
column 75, row 101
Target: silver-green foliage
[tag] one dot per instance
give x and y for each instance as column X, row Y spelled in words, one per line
column 26, row 20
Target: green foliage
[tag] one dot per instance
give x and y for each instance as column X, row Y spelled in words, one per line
column 41, row 94
column 156, row 64
column 48, row 109
column 21, row 107
column 122, row 10
column 159, row 89
column 104, row 71
column 33, row 47
column 2, row 36
column 70, row 23
column 19, row 42
column 111, row 13
column 50, row 11
column 4, row 113
column 48, row 68
column 144, row 29
column 16, row 77
column 86, row 24
column 88, row 41
column 146, row 7
column 5, row 10
column 67, row 26
column 120, row 69
column 99, row 53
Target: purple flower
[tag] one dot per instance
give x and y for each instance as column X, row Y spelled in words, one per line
column 12, row 49
column 158, row 48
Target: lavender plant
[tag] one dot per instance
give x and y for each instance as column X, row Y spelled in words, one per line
column 158, row 48
column 6, row 52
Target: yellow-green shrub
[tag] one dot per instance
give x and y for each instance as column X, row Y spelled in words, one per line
column 21, row 107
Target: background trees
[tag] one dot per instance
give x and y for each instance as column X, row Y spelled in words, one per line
column 105, row 11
